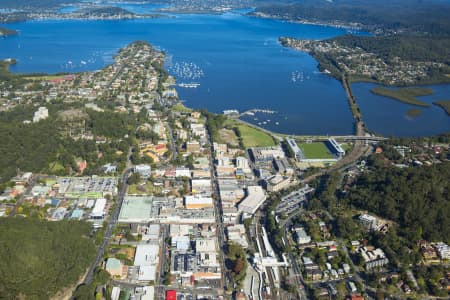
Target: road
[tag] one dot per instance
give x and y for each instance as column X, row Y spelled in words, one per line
column 160, row 290
column 293, row 261
column 359, row 124
column 350, row 160
column 172, row 143
column 359, row 136
column 218, row 212
column 109, row 229
column 22, row 196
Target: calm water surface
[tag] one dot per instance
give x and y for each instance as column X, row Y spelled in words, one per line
column 389, row 117
column 236, row 59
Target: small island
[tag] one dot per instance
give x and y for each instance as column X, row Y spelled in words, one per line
column 405, row 95
column 413, row 112
column 7, row 32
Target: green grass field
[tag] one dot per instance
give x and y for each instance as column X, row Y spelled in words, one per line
column 405, row 95
column 56, row 167
column 147, row 188
column 315, row 150
column 252, row 137
column 181, row 108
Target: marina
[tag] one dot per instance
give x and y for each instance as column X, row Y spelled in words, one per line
column 252, row 112
column 186, row 71
column 193, row 85
column 217, row 73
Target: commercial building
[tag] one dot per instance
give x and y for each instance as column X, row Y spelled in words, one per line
column 193, row 147
column 230, row 215
column 276, row 183
column 301, row 236
column 180, row 230
column 230, row 191
column 171, row 295
column 282, row 166
column 251, row 203
column 266, row 154
column 198, row 202
column 205, row 245
column 220, row 148
column 136, row 209
column 294, row 200
column 150, row 233
column 295, row 149
column 145, row 171
column 146, row 255
column 146, row 259
column 236, row 234
column 182, row 172
column 181, row 243
column 242, row 163
column 147, row 273
column 201, row 173
column 98, row 212
column 184, row 264
column 148, row 293
column 206, row 250
column 86, row 187
column 201, row 186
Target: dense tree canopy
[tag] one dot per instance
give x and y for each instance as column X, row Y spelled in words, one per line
column 417, row 198
column 407, row 15
column 45, row 147
column 39, row 258
column 407, row 47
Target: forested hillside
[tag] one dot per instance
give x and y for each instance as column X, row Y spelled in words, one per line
column 410, row 15
column 417, row 198
column 45, row 146
column 406, row 47
column 39, row 258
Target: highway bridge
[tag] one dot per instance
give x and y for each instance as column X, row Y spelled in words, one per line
column 277, row 136
column 344, row 138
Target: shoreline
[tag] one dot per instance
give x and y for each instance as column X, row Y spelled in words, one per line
column 359, row 27
column 350, row 81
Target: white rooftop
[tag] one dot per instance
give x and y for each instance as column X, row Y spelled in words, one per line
column 146, row 255
column 255, row 198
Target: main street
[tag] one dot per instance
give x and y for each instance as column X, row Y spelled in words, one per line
column 112, row 221
column 218, row 212
column 161, row 289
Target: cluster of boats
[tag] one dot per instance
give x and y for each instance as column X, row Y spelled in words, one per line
column 69, row 65
column 186, row 71
column 192, row 85
column 298, row 76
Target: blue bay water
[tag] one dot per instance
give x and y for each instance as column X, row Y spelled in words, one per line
column 243, row 64
column 389, row 117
